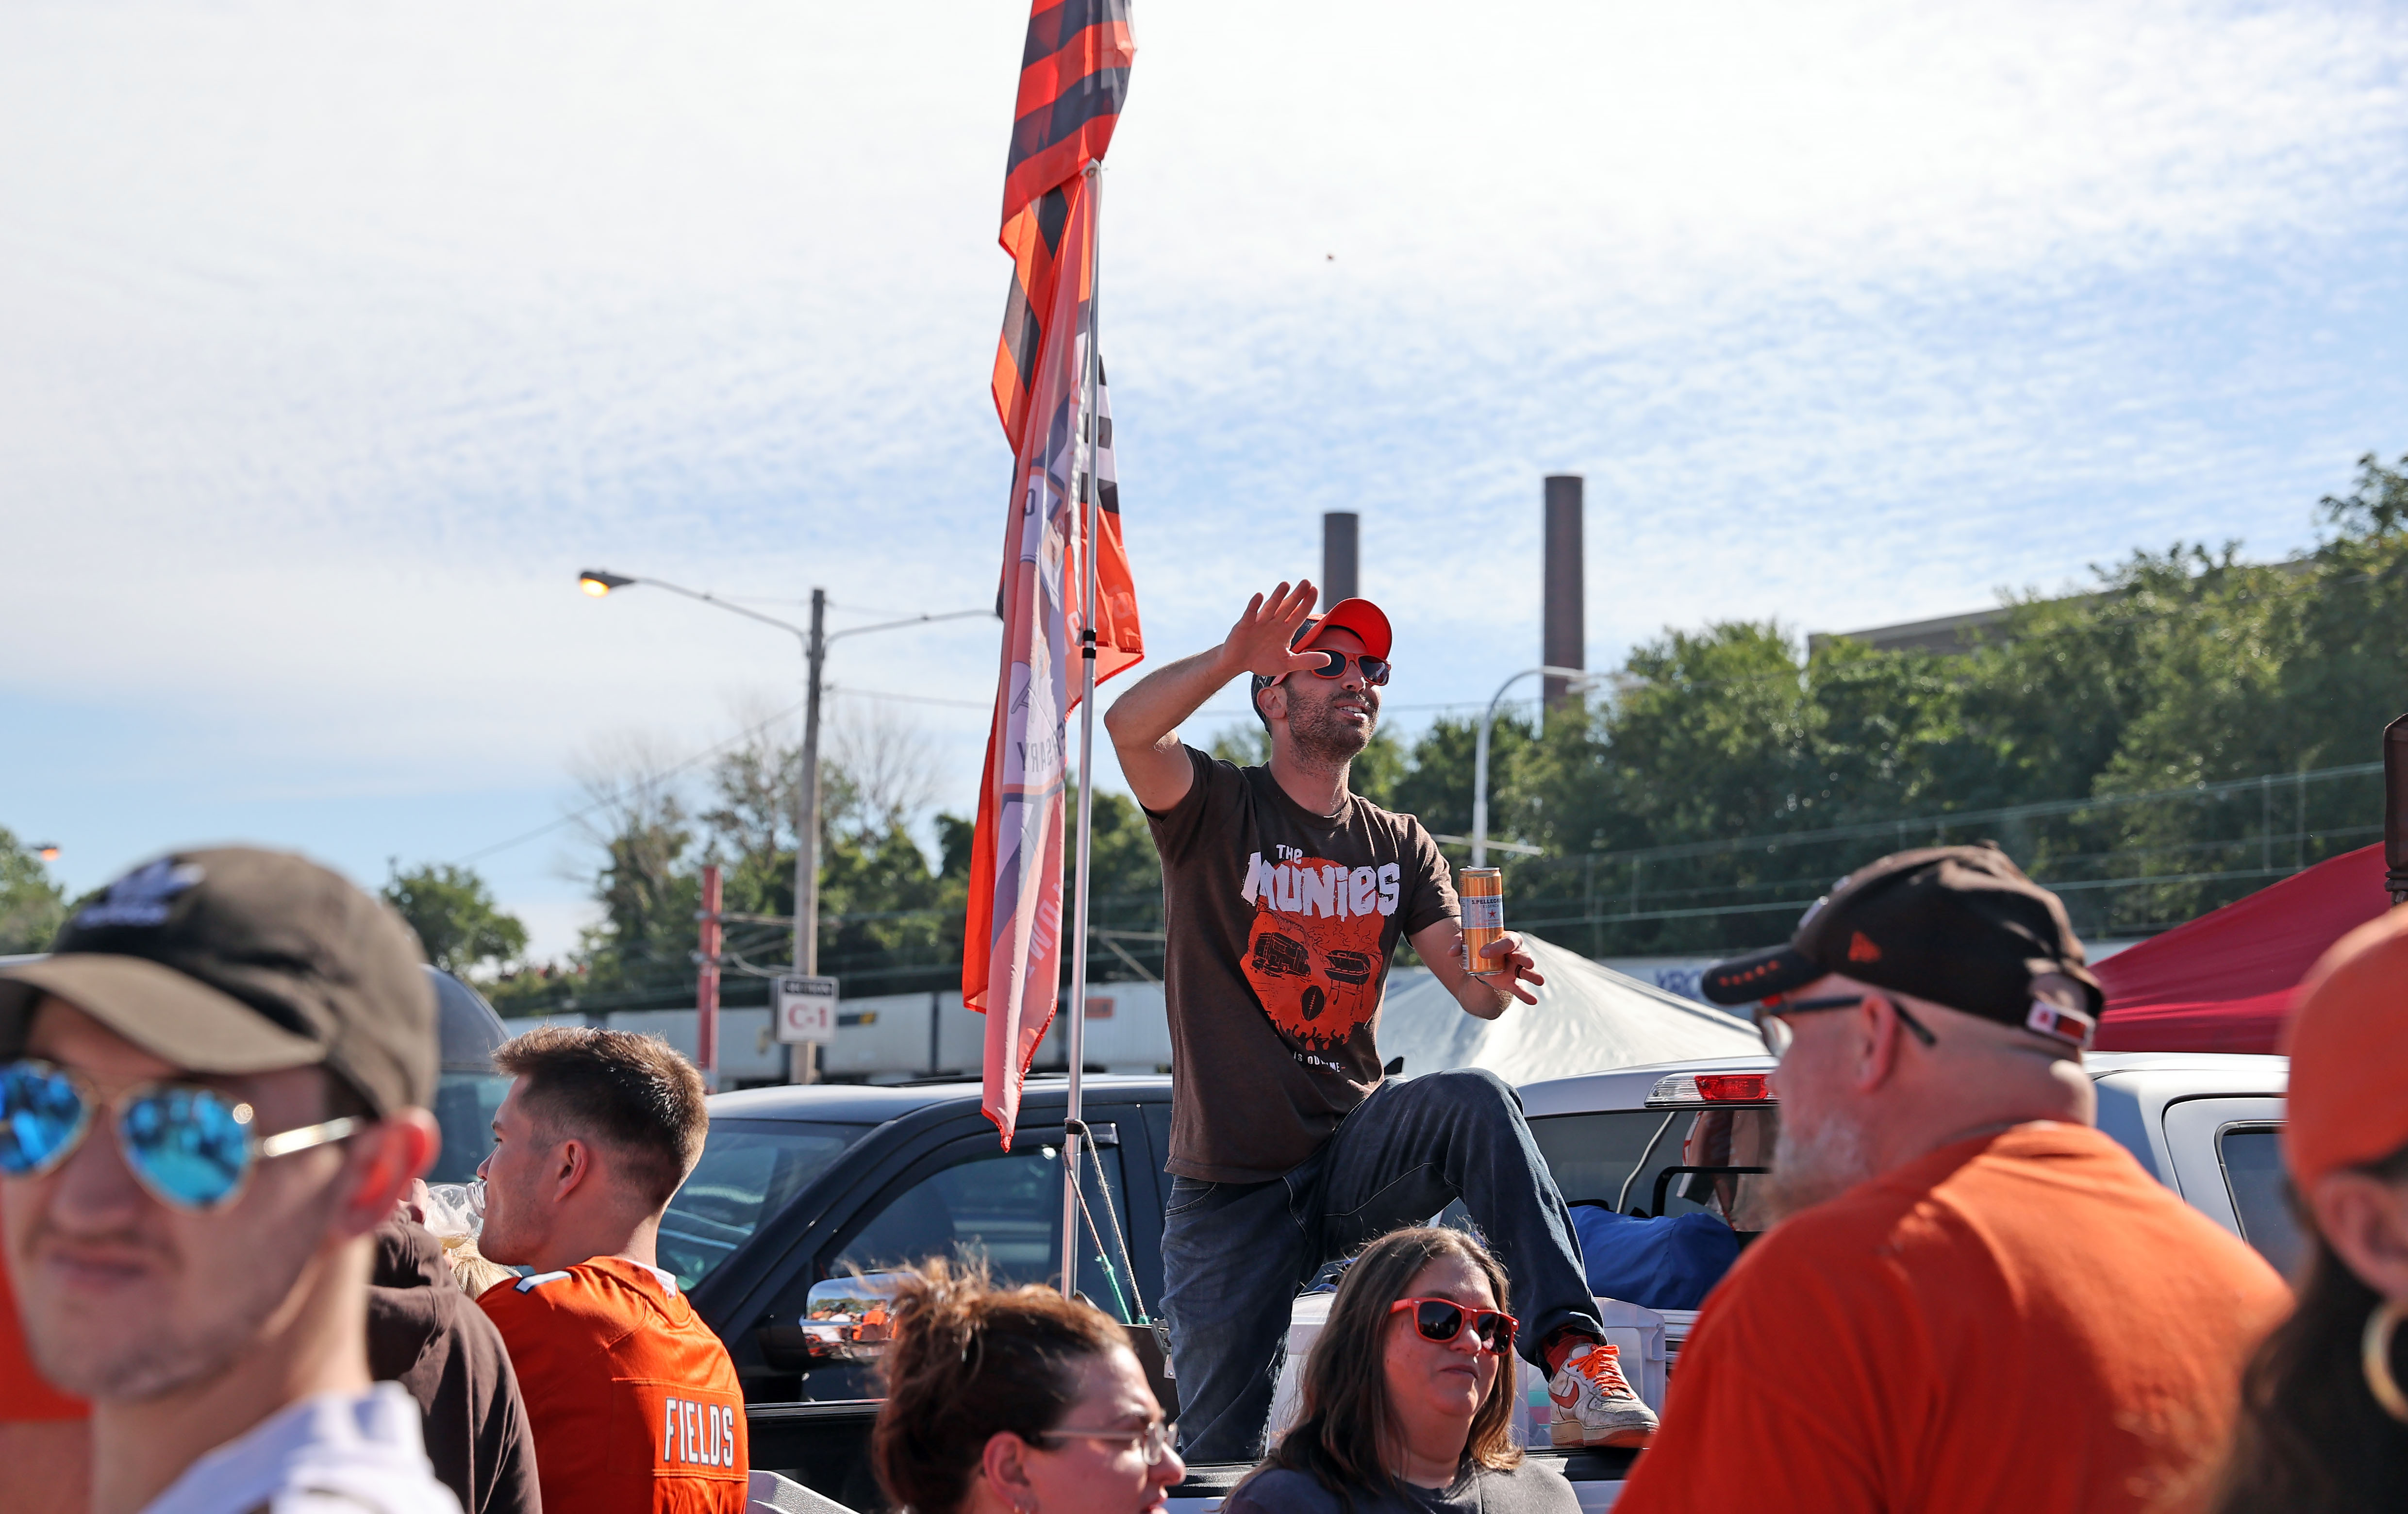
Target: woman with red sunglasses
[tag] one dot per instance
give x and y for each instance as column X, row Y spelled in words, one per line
column 1409, row 1396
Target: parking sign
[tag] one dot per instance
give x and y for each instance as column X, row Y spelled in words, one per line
column 805, row 1009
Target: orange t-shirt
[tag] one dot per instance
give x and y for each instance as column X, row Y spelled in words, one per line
column 634, row 1404
column 25, row 1393
column 2024, row 1320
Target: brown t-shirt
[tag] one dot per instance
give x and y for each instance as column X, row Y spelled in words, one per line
column 2024, row 1320
column 425, row 1334
column 1281, row 923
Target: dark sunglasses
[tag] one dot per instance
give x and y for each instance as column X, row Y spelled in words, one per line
column 1442, row 1319
column 193, row 1148
column 1777, row 1033
column 1333, row 665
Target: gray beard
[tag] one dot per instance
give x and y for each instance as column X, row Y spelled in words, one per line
column 1813, row 1165
column 1325, row 740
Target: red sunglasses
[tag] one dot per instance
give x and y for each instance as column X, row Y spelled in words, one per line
column 1442, row 1319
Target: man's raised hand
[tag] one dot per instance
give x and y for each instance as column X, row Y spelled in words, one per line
column 1258, row 643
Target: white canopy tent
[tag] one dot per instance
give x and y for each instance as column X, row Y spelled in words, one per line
column 1587, row 1019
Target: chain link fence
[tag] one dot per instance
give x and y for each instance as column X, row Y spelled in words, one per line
column 2125, row 865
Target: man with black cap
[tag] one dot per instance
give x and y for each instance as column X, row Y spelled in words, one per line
column 211, row 1095
column 1976, row 1301
column 1284, row 897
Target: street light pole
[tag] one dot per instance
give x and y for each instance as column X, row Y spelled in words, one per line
column 598, row 582
column 803, row 1061
column 1575, row 680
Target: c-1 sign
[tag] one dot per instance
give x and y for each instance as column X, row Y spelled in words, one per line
column 805, row 1009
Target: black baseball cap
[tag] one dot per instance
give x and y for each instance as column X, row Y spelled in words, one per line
column 1960, row 926
column 238, row 960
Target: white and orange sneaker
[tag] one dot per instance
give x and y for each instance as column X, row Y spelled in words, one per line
column 1593, row 1404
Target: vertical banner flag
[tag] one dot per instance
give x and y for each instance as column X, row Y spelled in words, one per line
column 1073, row 75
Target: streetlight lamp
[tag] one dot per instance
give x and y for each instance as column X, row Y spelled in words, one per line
column 598, row 582
column 1576, row 679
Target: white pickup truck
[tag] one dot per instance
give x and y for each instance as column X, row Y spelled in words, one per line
column 2205, row 1125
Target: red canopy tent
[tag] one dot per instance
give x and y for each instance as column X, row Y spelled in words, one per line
column 2224, row 981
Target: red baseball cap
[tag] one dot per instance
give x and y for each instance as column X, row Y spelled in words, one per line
column 1369, row 622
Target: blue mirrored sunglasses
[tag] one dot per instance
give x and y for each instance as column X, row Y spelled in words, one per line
column 192, row 1146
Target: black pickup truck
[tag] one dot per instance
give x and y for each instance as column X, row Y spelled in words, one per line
column 798, row 1187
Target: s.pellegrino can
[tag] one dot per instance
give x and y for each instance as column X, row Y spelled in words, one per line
column 1480, row 890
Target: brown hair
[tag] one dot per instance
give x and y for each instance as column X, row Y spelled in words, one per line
column 970, row 1360
column 1346, row 1421
column 2311, row 1438
column 633, row 1094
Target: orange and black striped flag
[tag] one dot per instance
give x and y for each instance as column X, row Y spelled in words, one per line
column 1073, row 75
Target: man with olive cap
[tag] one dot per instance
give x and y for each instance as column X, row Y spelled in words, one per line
column 1977, row 1301
column 210, row 1095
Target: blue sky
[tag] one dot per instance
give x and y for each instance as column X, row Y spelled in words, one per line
column 335, row 341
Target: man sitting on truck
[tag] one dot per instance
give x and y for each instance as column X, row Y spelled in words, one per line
column 1976, row 1301
column 635, row 1405
column 1286, row 895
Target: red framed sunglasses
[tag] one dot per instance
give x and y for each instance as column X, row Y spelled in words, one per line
column 1443, row 1319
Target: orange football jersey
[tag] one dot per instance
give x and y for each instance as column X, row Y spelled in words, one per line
column 634, row 1403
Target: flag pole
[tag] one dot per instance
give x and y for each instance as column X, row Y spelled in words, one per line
column 1090, row 445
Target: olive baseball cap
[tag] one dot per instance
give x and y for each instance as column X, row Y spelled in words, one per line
column 1960, row 926
column 238, row 960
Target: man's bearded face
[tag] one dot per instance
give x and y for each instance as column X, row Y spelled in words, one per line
column 1331, row 720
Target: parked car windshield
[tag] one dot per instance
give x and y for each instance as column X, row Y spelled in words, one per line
column 749, row 1169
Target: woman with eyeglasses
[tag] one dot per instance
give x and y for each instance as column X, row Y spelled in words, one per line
column 1015, row 1401
column 2324, row 1404
column 1409, row 1396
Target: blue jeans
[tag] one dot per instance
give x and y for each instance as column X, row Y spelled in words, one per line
column 1235, row 1255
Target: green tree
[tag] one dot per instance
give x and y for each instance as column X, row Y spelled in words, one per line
column 455, row 917
column 647, row 885
column 32, row 906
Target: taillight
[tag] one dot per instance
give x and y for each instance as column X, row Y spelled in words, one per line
column 1713, row 1086
column 1690, row 1090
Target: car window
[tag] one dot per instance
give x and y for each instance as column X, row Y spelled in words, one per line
column 2252, row 1157
column 1002, row 1210
column 465, row 1105
column 1613, row 1157
column 749, row 1170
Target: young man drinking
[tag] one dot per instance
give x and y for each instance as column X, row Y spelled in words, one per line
column 634, row 1404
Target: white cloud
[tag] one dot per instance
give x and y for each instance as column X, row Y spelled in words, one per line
column 333, row 341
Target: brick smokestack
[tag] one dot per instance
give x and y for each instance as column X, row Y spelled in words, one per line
column 1563, row 639
column 1340, row 537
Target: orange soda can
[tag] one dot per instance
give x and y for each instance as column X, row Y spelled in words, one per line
column 1480, row 890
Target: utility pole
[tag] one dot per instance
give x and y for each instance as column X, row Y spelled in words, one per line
column 705, row 988
column 803, row 1061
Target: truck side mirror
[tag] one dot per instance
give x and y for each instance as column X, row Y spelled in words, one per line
column 845, row 1319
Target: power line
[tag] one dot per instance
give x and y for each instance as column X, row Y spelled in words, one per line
column 910, row 699
column 747, row 733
